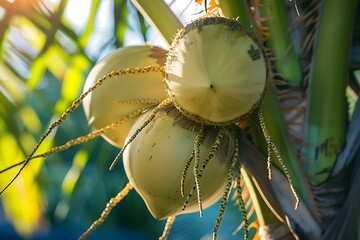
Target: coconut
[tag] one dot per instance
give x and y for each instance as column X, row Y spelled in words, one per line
column 216, row 71
column 123, row 95
column 154, row 162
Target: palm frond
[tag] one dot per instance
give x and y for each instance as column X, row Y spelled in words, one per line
column 345, row 224
column 42, row 59
column 272, row 15
column 325, row 130
column 350, row 151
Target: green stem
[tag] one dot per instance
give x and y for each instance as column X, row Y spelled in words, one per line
column 83, row 39
column 238, row 10
column 275, row 19
column 160, row 16
column 326, row 113
column 263, row 213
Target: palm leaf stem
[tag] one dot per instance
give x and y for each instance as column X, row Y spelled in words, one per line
column 238, row 10
column 326, row 112
column 273, row 16
column 260, row 206
column 83, row 39
column 120, row 15
column 160, row 16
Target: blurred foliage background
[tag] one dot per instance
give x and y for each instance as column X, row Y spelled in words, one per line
column 47, row 48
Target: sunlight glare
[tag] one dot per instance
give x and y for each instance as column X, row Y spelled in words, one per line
column 77, row 14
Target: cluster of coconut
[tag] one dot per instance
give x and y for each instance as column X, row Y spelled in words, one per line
column 179, row 111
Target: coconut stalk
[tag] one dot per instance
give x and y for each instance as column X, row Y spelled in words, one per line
column 260, row 206
column 325, row 132
column 275, row 20
column 238, row 10
column 160, row 17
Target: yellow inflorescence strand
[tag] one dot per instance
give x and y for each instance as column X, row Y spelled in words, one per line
column 286, row 172
column 212, row 152
column 272, row 147
column 111, row 204
column 268, row 142
column 183, row 175
column 226, row 192
column 163, row 104
column 77, row 103
column 242, row 207
column 167, row 228
column 198, row 140
column 81, row 139
column 138, row 101
column 93, row 134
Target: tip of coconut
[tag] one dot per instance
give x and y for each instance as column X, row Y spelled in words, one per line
column 161, row 208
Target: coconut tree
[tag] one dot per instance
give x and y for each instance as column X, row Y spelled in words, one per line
column 291, row 153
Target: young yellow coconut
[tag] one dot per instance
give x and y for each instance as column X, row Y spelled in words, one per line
column 161, row 147
column 156, row 159
column 124, row 96
column 166, row 146
column 216, row 71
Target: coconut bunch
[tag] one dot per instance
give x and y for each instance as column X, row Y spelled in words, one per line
column 181, row 126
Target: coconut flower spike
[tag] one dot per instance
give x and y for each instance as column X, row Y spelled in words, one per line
column 226, row 192
column 91, row 135
column 287, row 174
column 272, row 147
column 76, row 104
column 81, row 139
column 138, row 101
column 214, row 148
column 211, row 154
column 268, row 142
column 163, row 104
column 242, row 207
column 183, row 175
column 167, row 228
column 111, row 204
column 199, row 138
